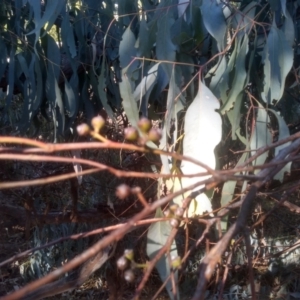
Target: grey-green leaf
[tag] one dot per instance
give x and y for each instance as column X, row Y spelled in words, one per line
column 284, row 132
column 158, row 234
column 165, row 49
column 278, row 60
column 214, row 21
column 261, row 136
column 128, row 51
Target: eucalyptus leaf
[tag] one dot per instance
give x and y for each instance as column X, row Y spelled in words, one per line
column 147, row 83
column 261, row 136
column 199, row 143
column 240, row 76
column 283, row 132
column 165, row 49
column 158, row 234
column 228, row 192
column 129, row 104
column 3, row 57
column 278, row 60
column 212, row 10
column 128, row 51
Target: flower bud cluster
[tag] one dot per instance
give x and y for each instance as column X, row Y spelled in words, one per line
column 127, row 264
column 147, row 133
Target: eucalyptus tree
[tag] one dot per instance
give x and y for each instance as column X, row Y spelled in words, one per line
column 205, row 69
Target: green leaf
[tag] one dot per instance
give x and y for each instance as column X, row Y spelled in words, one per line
column 128, row 51
column 244, row 21
column 284, row 132
column 3, row 57
column 53, row 92
column 67, row 34
column 228, row 192
column 261, row 136
column 101, row 90
column 53, row 57
column 182, row 6
column 203, row 132
column 147, row 83
column 157, row 237
column 39, row 85
column 165, row 49
column 288, row 29
column 31, row 102
column 219, row 77
column 11, row 75
column 71, row 96
column 146, row 38
column 129, row 104
column 234, row 116
column 52, row 10
column 214, row 21
column 240, row 76
column 278, row 61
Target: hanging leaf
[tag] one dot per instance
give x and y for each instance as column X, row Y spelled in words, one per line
column 278, row 61
column 261, row 136
column 147, row 83
column 182, row 6
column 240, row 76
column 3, row 57
column 158, row 234
column 228, row 192
column 284, row 132
column 146, row 39
column 101, row 90
column 199, row 143
column 244, row 21
column 127, row 52
column 52, row 10
column 67, row 35
column 219, row 78
column 212, row 10
column 129, row 104
column 71, row 96
column 165, row 49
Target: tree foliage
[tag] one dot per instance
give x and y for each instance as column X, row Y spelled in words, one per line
column 220, row 68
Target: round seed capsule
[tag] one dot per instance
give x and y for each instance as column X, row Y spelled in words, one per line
column 154, row 135
column 83, row 129
column 122, row 263
column 176, row 262
column 98, row 123
column 129, row 275
column 123, row 191
column 174, row 223
column 131, row 134
column 144, row 124
column 129, row 254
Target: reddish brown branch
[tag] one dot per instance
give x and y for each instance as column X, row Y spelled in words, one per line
column 209, row 262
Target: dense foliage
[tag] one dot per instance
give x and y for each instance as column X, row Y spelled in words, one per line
column 204, row 69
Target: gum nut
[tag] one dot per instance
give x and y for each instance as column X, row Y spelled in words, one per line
column 144, row 124
column 98, row 123
column 129, row 254
column 131, row 134
column 129, row 275
column 123, row 191
column 174, row 223
column 176, row 262
column 173, row 207
column 179, row 212
column 154, row 135
column 167, row 213
column 122, row 263
column 83, row 129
